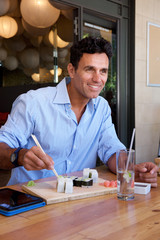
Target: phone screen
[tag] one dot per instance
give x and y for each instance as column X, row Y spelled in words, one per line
column 11, row 199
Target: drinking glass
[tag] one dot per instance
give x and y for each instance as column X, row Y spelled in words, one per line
column 125, row 161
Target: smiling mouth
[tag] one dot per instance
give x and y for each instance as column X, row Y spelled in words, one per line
column 94, row 87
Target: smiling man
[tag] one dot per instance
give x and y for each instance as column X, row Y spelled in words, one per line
column 71, row 121
column 87, row 81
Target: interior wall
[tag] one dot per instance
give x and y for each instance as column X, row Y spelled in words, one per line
column 147, row 98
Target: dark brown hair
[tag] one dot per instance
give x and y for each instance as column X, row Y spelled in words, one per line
column 89, row 45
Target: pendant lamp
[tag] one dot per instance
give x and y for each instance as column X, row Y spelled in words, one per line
column 39, row 13
column 8, row 27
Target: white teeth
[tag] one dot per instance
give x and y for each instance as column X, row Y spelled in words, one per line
column 93, row 86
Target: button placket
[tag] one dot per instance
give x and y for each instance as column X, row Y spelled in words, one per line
column 68, row 165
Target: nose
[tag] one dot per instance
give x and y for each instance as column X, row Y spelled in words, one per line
column 96, row 77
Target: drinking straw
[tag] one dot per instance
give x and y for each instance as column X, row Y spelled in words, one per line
column 38, row 145
column 130, row 148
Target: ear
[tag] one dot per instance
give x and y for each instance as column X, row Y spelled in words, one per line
column 71, row 70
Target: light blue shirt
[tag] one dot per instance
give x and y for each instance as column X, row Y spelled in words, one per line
column 47, row 114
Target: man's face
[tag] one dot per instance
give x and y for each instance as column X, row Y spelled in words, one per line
column 91, row 75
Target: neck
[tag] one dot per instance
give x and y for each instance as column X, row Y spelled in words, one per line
column 77, row 102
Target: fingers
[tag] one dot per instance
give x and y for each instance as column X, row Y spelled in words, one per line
column 146, row 172
column 154, row 169
column 140, row 168
column 147, row 177
column 146, row 167
column 154, row 184
column 150, row 166
column 35, row 159
column 152, row 181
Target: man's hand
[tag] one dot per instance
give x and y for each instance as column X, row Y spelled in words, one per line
column 146, row 172
column 35, row 159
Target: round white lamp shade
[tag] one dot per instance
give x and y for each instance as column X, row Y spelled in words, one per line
column 8, row 27
column 4, row 6
column 39, row 13
column 11, row 63
column 60, row 42
column 30, row 58
column 36, row 77
column 3, row 54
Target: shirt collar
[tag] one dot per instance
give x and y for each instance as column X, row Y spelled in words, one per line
column 62, row 96
column 92, row 104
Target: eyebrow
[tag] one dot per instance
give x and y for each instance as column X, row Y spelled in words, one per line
column 90, row 66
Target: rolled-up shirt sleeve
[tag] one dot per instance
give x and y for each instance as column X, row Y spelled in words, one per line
column 108, row 142
column 19, row 124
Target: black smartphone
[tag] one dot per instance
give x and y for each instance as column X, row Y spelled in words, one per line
column 13, row 202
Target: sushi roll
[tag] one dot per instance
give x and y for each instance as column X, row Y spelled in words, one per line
column 90, row 173
column 60, row 184
column 71, row 177
column 77, row 182
column 94, row 175
column 68, row 185
column 87, row 182
column 81, row 181
column 86, row 172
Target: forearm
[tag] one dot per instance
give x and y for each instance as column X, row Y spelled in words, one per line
column 5, row 156
column 112, row 163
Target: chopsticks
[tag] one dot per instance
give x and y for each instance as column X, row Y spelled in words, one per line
column 38, row 145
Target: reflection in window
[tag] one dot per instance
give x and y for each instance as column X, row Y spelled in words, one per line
column 35, row 37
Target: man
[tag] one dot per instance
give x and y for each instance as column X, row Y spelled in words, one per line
column 71, row 122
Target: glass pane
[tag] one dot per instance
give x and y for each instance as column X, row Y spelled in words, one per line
column 38, row 50
column 104, row 30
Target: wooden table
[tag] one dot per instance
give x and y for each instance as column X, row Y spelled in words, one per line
column 103, row 217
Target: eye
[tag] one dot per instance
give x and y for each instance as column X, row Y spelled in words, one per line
column 104, row 71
